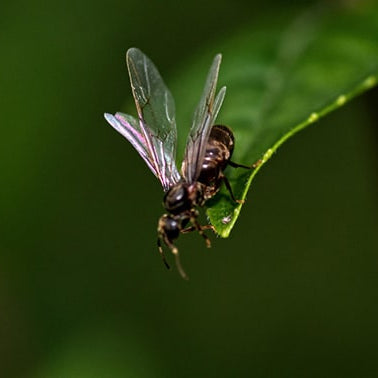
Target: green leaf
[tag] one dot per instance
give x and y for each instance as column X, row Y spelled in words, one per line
column 281, row 76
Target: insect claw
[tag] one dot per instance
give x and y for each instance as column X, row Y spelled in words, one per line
column 258, row 162
column 210, row 227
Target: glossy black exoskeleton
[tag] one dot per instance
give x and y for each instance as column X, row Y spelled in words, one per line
column 153, row 134
column 181, row 200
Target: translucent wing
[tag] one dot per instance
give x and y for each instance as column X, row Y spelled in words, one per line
column 154, row 134
column 203, row 119
column 129, row 127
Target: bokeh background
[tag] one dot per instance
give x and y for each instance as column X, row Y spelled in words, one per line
column 83, row 293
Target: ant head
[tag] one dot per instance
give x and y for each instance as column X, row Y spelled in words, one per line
column 169, row 227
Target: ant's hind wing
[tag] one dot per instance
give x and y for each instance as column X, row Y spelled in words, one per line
column 203, row 120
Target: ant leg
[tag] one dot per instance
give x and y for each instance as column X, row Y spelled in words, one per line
column 160, row 248
column 200, row 229
column 174, row 250
column 188, row 229
column 237, row 165
column 208, row 227
column 192, row 228
column 228, row 186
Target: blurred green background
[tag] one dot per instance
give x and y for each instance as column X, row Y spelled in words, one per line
column 83, row 293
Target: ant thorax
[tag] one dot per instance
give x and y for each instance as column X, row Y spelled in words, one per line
column 184, row 197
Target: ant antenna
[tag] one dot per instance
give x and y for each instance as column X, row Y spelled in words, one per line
column 162, row 254
column 178, row 263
